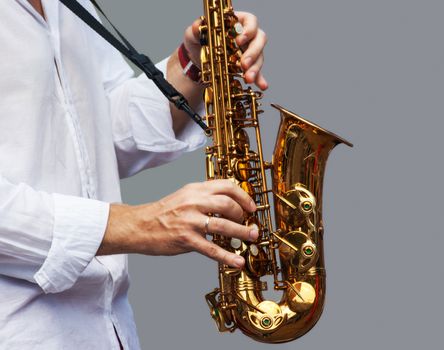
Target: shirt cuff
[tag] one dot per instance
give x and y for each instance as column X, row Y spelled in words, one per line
column 79, row 226
column 151, row 121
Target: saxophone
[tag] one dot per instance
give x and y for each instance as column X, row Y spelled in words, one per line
column 293, row 251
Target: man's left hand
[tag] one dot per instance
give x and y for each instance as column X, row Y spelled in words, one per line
column 252, row 42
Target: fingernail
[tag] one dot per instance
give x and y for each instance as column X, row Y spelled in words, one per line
column 247, row 62
column 239, row 261
column 253, row 205
column 254, row 232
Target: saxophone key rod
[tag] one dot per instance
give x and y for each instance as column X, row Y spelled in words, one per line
column 263, row 207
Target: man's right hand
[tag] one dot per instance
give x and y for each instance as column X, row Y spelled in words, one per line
column 176, row 224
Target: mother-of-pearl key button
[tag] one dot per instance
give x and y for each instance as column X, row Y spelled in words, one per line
column 254, row 250
column 236, row 243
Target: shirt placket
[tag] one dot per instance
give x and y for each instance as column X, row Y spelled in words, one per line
column 72, row 118
column 88, row 184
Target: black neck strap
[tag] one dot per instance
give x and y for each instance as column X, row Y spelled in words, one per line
column 140, row 60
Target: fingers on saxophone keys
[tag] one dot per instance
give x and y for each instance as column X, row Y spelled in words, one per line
column 217, row 253
column 231, row 229
column 228, row 188
column 227, row 207
column 254, row 74
column 250, row 27
column 254, row 51
column 261, row 82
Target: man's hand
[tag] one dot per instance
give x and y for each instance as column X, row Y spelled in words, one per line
column 177, row 223
column 252, row 41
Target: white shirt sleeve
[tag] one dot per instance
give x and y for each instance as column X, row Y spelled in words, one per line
column 48, row 239
column 143, row 126
column 141, row 117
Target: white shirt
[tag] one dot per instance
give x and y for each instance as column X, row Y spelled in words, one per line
column 73, row 120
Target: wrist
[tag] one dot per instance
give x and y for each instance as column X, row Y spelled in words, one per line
column 192, row 91
column 119, row 237
column 189, row 68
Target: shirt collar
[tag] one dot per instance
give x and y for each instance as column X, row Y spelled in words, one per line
column 51, row 8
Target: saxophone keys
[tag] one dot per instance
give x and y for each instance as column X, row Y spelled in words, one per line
column 301, row 296
column 242, row 141
column 256, row 261
column 231, row 272
column 309, row 250
column 243, row 173
column 239, row 28
column 269, row 319
column 268, row 165
column 254, row 250
column 263, row 207
column 236, row 243
column 219, row 312
column 247, row 187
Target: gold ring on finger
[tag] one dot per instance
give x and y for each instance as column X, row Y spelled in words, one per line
column 207, row 223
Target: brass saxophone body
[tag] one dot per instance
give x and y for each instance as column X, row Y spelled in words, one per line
column 293, row 251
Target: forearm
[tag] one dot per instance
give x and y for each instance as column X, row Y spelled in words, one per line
column 192, row 91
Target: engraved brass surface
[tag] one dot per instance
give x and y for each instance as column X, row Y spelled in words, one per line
column 293, row 251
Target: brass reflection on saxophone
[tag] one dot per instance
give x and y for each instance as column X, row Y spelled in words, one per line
column 292, row 251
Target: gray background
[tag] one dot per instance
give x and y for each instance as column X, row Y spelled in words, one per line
column 373, row 72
